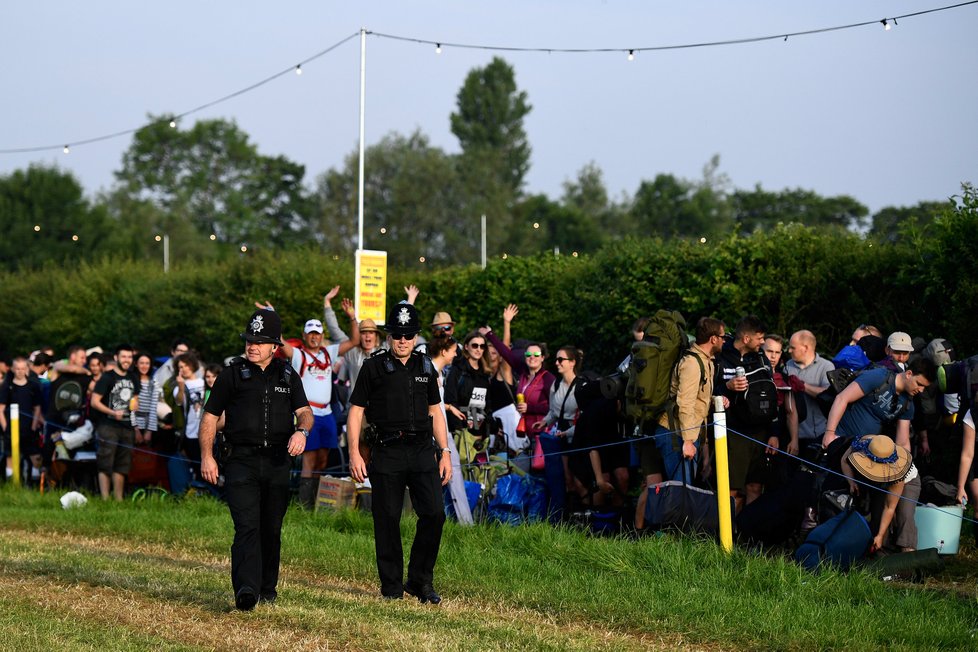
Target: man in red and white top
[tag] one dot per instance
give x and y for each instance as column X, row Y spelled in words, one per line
column 314, row 362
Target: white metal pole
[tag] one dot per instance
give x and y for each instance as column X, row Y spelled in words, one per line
column 363, row 78
column 483, row 242
column 166, row 253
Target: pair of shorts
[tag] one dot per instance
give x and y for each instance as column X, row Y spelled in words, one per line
column 114, row 454
column 649, row 458
column 30, row 443
column 323, row 433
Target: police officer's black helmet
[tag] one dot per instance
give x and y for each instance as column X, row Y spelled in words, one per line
column 264, row 327
column 403, row 320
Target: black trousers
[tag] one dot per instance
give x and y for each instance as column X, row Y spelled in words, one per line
column 257, row 490
column 410, row 463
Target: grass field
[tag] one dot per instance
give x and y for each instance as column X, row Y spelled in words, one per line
column 154, row 575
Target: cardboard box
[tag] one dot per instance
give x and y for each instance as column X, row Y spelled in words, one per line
column 335, row 493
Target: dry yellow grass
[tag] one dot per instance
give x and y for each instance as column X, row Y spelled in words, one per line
column 316, row 611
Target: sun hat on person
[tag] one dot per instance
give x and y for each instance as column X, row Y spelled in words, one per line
column 878, row 459
column 441, row 318
column 369, row 326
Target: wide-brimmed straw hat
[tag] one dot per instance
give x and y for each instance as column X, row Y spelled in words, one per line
column 369, row 326
column 442, row 318
column 877, row 459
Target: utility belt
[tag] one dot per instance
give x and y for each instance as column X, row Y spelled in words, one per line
column 264, row 447
column 373, row 436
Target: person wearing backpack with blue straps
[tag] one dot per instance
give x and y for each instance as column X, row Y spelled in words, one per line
column 878, row 396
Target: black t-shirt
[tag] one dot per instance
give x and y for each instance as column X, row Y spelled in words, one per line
column 116, row 391
column 26, row 396
column 396, row 396
column 240, row 392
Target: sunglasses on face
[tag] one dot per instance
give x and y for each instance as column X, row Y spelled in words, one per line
column 403, row 337
column 532, row 354
column 477, row 345
column 558, row 359
column 443, row 327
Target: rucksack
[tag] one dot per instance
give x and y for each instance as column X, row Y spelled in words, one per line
column 960, row 378
column 759, row 402
column 649, row 373
column 839, row 379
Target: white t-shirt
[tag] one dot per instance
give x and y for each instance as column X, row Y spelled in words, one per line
column 316, row 372
column 193, row 404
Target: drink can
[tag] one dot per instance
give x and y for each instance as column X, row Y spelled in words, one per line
column 740, row 372
column 520, row 398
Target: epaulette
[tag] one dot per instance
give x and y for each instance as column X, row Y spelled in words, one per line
column 429, row 366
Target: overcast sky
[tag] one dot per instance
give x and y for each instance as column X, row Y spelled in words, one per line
column 888, row 117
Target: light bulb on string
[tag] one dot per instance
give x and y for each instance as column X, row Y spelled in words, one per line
column 298, row 69
column 631, row 55
column 37, row 228
column 158, row 238
column 213, row 237
column 437, row 48
column 173, row 124
column 74, row 238
column 886, row 25
column 66, row 150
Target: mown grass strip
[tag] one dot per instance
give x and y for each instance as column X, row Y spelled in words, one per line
column 659, row 590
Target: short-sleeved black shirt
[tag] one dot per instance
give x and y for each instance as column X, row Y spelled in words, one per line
column 396, row 396
column 116, row 391
column 243, row 401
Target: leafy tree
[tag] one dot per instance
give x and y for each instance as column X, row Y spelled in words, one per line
column 52, row 200
column 762, row 210
column 588, row 194
column 888, row 222
column 540, row 224
column 489, row 124
column 672, row 207
column 412, row 191
column 215, row 179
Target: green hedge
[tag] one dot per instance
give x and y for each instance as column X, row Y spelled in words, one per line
column 794, row 277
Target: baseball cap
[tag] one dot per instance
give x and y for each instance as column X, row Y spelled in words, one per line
column 900, row 341
column 313, row 326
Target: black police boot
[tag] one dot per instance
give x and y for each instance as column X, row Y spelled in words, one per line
column 424, row 593
column 307, row 492
column 246, row 599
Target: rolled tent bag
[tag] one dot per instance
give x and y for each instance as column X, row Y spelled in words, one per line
column 839, row 542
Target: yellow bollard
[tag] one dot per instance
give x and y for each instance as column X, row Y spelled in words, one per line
column 723, row 474
column 15, row 442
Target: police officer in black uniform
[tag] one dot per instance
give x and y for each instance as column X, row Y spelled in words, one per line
column 259, row 395
column 397, row 393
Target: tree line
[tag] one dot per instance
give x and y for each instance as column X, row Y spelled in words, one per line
column 211, row 190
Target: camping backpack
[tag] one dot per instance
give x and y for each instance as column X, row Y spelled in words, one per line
column 759, row 402
column 649, row 373
column 960, row 378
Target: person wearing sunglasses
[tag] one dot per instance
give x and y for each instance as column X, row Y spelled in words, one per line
column 397, row 393
column 467, row 390
column 533, row 383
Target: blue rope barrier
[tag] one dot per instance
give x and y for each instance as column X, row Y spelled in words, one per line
column 843, row 475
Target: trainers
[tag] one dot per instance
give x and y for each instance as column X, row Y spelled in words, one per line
column 424, row 593
column 246, row 599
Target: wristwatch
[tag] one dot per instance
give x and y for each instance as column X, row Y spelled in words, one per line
column 446, row 450
column 305, row 433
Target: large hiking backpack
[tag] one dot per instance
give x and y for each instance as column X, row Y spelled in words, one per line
column 960, row 378
column 649, row 373
column 758, row 404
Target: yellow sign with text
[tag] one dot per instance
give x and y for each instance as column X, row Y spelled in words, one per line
column 371, row 301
